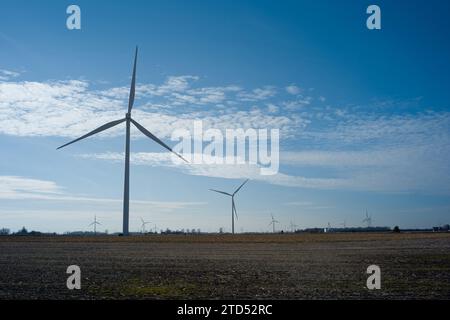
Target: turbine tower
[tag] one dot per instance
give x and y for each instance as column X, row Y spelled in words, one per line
column 95, row 223
column 144, row 223
column 233, row 206
column 128, row 120
column 368, row 220
column 273, row 222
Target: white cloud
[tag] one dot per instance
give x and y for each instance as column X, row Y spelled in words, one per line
column 298, row 103
column 401, row 169
column 257, row 94
column 376, row 170
column 71, row 109
column 22, row 188
column 271, row 108
column 360, row 149
column 12, row 187
column 387, row 130
column 6, row 75
column 293, row 89
column 227, row 171
column 177, row 91
column 388, row 153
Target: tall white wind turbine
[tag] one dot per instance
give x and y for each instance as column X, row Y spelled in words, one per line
column 233, row 206
column 128, row 120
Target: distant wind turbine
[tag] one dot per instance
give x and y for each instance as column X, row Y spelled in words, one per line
column 273, row 222
column 128, row 120
column 95, row 223
column 233, row 206
column 293, row 226
column 144, row 223
column 368, row 220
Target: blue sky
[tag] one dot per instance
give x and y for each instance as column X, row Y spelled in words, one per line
column 363, row 115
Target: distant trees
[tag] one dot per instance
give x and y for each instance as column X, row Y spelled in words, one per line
column 22, row 231
column 396, row 229
column 182, row 231
column 4, row 232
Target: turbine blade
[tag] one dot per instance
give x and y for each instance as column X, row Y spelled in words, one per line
column 91, row 224
column 226, row 193
column 99, row 129
column 240, row 187
column 154, row 138
column 234, row 209
column 133, row 84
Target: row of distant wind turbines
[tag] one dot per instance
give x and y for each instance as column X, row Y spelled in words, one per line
column 129, row 120
column 143, row 224
column 292, row 226
column 233, row 211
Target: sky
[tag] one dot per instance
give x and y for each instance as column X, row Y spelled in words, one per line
column 363, row 115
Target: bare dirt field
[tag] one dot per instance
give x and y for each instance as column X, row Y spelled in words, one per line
column 303, row 266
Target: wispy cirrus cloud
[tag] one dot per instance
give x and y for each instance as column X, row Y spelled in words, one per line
column 23, row 188
column 13, row 187
column 8, row 74
column 227, row 171
column 398, row 168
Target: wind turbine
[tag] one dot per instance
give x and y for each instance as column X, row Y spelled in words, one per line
column 293, row 226
column 344, row 224
column 233, row 206
column 144, row 223
column 273, row 222
column 95, row 223
column 128, row 120
column 368, row 220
